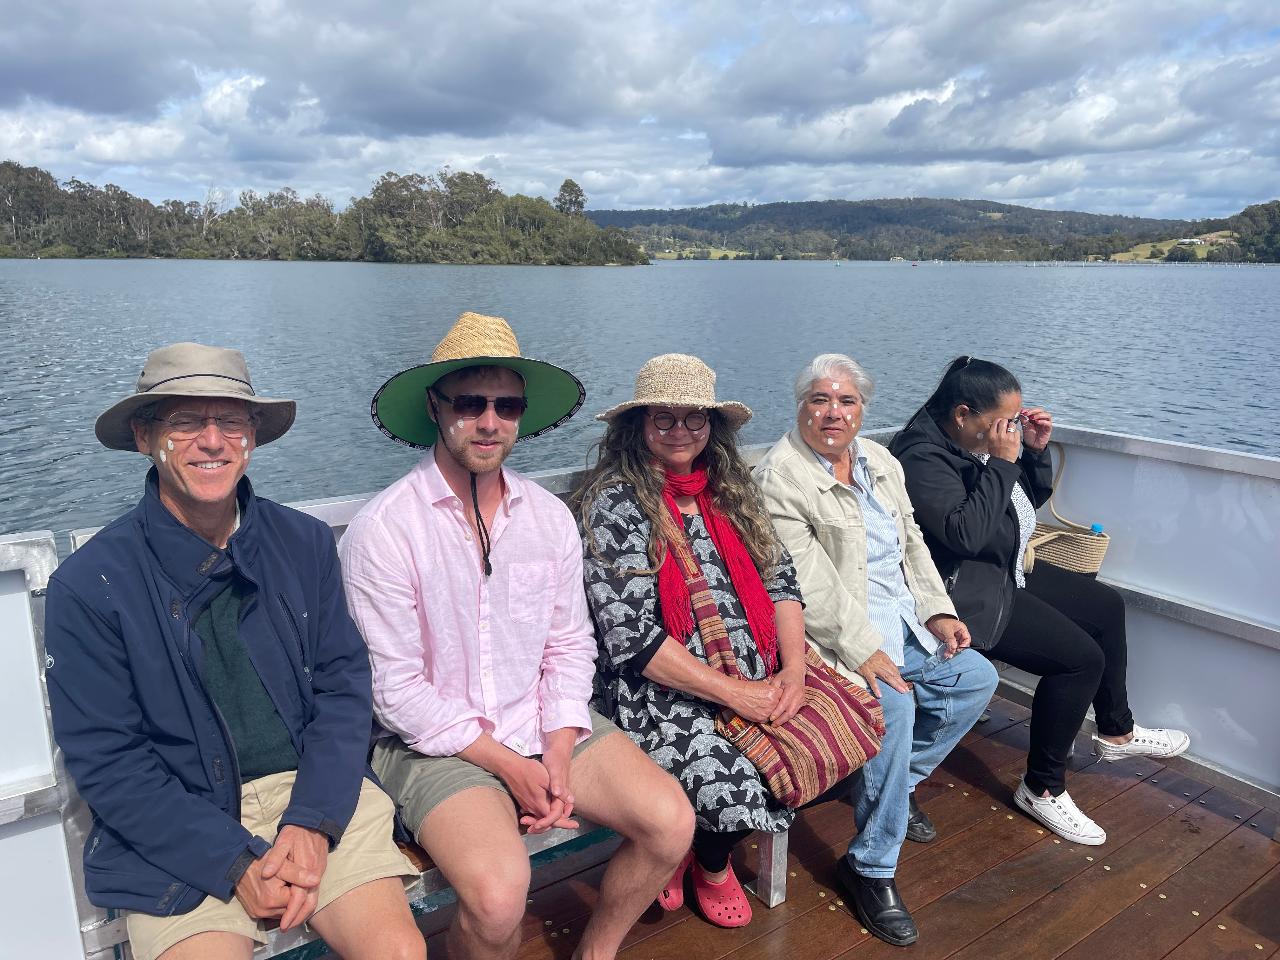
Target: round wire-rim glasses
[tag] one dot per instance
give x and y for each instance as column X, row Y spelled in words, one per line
column 692, row 421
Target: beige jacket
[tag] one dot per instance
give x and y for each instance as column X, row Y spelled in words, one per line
column 820, row 523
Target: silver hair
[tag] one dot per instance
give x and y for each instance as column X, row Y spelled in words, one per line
column 834, row 366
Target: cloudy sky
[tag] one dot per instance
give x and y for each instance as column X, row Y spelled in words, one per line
column 1168, row 108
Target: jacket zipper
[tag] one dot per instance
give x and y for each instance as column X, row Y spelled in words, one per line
column 297, row 636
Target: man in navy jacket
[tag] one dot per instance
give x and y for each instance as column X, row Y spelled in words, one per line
column 212, row 696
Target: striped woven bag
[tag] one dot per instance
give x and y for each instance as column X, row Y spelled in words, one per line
column 835, row 732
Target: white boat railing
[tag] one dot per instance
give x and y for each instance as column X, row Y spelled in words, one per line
column 1194, row 551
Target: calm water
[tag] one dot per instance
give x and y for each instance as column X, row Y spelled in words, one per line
column 1181, row 353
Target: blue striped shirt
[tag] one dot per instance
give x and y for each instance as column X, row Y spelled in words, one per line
column 889, row 601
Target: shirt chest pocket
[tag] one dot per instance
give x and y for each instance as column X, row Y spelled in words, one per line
column 530, row 598
column 839, row 529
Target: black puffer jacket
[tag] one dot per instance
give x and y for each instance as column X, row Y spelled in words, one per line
column 965, row 509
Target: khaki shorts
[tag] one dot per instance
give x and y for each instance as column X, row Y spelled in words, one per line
column 420, row 783
column 366, row 853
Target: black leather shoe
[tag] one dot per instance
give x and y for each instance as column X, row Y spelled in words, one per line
column 877, row 903
column 919, row 827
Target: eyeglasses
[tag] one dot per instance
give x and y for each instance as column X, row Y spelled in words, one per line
column 471, row 406
column 187, row 426
column 665, row 420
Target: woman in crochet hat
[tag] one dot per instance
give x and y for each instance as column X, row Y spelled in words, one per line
column 669, row 469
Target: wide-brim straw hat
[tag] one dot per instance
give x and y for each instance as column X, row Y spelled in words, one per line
column 399, row 408
column 201, row 373
column 679, row 380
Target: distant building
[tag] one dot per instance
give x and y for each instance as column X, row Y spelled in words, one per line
column 1191, row 242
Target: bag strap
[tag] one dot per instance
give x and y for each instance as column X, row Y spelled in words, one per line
column 1057, row 477
column 715, row 637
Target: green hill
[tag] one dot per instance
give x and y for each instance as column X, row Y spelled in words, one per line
column 916, row 228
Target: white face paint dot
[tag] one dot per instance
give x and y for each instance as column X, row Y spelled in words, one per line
column 451, row 431
column 849, row 417
column 245, row 454
column 459, row 424
column 834, row 405
column 163, row 458
column 169, row 444
column 835, row 386
column 662, row 433
column 652, row 438
column 830, row 442
column 244, row 441
column 809, row 422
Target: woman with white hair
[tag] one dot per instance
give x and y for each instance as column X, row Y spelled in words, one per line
column 877, row 611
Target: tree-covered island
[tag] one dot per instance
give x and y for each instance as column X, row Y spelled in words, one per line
column 448, row 217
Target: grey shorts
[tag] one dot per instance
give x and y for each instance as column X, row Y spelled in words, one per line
column 419, row 783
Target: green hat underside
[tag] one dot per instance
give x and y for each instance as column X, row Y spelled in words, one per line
column 399, row 408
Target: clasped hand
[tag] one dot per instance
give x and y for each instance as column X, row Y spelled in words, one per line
column 541, row 790
column 285, row 884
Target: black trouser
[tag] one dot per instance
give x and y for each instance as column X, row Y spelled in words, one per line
column 712, row 850
column 1069, row 629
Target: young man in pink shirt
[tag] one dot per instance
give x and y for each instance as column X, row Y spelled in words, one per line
column 466, row 580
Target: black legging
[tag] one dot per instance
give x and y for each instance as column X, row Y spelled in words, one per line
column 712, row 850
column 1069, row 629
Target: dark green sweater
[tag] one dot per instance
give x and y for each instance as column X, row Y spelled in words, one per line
column 261, row 740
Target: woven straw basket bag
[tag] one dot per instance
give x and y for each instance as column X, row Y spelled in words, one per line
column 1072, row 546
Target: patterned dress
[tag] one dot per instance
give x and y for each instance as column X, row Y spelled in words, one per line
column 676, row 729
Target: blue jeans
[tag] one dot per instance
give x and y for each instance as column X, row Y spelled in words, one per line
column 921, row 727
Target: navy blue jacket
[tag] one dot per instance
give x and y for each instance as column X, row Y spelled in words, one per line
column 147, row 748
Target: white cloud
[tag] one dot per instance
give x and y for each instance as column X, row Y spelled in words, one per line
column 1096, row 105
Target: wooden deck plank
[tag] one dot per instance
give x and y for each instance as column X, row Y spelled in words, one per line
column 978, row 906
column 954, row 859
column 1172, row 911
column 1116, row 878
column 1248, row 927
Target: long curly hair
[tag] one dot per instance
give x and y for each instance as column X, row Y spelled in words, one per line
column 622, row 456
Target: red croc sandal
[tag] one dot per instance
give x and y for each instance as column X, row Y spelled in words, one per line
column 672, row 895
column 725, row 904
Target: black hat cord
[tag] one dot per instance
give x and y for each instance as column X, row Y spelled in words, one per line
column 481, row 529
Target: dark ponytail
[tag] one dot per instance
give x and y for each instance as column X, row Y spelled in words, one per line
column 978, row 384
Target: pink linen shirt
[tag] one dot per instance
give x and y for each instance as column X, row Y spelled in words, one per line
column 456, row 654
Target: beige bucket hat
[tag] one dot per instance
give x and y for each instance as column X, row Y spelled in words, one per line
column 399, row 407
column 202, row 373
column 679, row 380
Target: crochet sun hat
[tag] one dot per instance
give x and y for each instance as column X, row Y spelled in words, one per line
column 679, row 380
column 399, row 408
column 201, row 373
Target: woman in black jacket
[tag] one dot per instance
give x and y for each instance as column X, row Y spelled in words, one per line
column 977, row 467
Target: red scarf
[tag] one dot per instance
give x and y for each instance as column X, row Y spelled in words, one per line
column 673, row 592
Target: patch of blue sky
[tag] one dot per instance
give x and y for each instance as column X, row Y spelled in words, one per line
column 834, row 13
column 1228, row 34
column 726, row 52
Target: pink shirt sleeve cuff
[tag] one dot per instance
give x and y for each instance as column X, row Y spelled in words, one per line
column 453, row 739
column 558, row 714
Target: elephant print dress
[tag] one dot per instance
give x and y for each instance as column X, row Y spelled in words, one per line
column 676, row 729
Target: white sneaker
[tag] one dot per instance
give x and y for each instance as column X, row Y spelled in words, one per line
column 1061, row 815
column 1158, row 743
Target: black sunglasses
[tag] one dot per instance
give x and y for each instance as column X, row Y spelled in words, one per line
column 470, row 406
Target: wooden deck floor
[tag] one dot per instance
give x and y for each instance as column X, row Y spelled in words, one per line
column 1188, row 871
